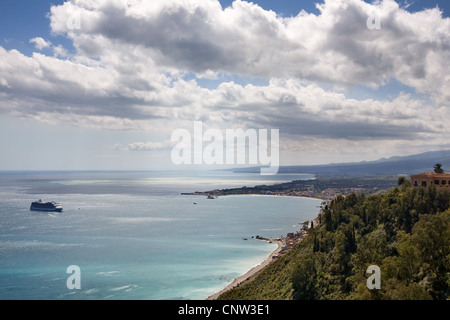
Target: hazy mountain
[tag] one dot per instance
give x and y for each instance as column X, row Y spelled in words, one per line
column 412, row 164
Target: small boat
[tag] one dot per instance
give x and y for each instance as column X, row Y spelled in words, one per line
column 195, row 202
column 46, row 206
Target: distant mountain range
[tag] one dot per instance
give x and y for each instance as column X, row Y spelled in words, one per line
column 406, row 165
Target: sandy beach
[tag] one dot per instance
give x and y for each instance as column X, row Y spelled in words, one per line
column 251, row 274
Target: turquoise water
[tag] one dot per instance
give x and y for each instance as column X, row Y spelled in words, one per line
column 133, row 235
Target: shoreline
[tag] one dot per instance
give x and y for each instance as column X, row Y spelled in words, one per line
column 196, row 194
column 273, row 195
column 251, row 274
column 207, row 193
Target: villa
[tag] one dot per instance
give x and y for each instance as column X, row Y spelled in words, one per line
column 440, row 180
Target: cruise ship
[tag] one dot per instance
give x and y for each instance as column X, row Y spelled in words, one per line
column 46, row 206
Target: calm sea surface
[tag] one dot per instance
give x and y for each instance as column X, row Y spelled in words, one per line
column 133, row 235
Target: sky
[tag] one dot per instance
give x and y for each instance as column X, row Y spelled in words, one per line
column 102, row 85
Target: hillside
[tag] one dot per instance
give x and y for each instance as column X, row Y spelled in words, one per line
column 406, row 232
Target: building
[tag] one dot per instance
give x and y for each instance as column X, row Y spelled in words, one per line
column 427, row 179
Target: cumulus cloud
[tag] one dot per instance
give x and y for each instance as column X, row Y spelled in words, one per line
column 132, row 60
column 91, row 95
column 335, row 46
column 40, row 43
column 310, row 110
column 60, row 51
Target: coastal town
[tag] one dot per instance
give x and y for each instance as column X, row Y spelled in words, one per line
column 329, row 190
column 325, row 188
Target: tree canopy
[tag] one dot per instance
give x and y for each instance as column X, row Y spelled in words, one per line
column 438, row 168
column 405, row 231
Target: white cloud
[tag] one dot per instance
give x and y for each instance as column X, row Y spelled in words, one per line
column 132, row 57
column 60, row 51
column 144, row 146
column 40, row 43
column 335, row 46
column 92, row 95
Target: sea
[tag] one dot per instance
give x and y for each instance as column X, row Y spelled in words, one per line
column 134, row 236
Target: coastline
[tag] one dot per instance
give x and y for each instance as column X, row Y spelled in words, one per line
column 276, row 195
column 215, row 194
column 251, row 274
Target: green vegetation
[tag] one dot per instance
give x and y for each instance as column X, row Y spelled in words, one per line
column 438, row 168
column 321, row 187
column 405, row 231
